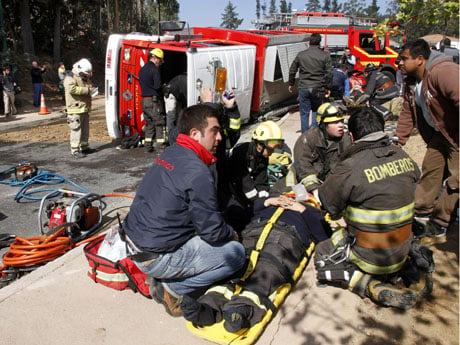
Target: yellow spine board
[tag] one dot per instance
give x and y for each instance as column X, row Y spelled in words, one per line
column 217, row 333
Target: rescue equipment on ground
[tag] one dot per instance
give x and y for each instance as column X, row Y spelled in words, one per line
column 26, row 255
column 79, row 213
column 25, row 171
column 119, row 273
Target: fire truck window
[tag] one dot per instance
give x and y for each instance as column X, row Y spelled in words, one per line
column 365, row 43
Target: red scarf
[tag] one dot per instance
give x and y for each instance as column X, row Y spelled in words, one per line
column 187, row 142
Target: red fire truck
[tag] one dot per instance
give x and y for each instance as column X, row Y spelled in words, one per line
column 256, row 65
column 338, row 32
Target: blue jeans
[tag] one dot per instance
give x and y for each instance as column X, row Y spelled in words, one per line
column 308, row 100
column 196, row 264
column 37, row 93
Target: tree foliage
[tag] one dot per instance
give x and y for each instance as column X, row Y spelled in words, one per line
column 335, row 6
column 354, row 7
column 283, row 6
column 421, row 17
column 230, row 18
column 71, row 28
column 313, row 6
column 272, row 6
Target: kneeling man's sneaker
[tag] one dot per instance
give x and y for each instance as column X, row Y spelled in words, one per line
column 162, row 296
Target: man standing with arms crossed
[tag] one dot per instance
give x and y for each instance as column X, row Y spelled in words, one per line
column 431, row 105
column 315, row 80
column 152, row 101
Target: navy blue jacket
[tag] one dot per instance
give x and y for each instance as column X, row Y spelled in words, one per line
column 176, row 201
column 150, row 80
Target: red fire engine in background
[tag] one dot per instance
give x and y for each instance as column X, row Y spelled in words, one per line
column 338, row 32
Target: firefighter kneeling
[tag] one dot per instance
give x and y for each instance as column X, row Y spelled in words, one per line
column 376, row 255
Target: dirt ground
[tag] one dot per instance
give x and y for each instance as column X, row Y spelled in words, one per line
column 435, row 321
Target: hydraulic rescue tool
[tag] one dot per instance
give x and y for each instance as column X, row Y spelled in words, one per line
column 73, row 211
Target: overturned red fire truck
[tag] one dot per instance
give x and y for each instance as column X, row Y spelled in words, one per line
column 256, row 65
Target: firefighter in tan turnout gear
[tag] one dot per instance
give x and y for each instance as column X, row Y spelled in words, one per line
column 373, row 187
column 78, row 90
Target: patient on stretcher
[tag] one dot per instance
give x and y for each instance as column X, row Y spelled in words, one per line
column 295, row 227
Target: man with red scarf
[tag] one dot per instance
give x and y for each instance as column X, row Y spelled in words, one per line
column 174, row 230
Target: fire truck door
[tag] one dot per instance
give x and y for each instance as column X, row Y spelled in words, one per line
column 239, row 61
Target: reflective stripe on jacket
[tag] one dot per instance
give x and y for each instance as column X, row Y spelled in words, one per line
column 77, row 94
column 374, row 186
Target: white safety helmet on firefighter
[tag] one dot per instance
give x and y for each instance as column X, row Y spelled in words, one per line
column 157, row 52
column 329, row 112
column 83, row 67
column 269, row 134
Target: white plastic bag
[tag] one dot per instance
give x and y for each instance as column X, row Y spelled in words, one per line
column 113, row 247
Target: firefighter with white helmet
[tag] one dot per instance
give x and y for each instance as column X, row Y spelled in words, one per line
column 78, row 90
column 152, row 101
column 249, row 163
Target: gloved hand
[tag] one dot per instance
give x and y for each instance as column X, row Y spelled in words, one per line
column 362, row 99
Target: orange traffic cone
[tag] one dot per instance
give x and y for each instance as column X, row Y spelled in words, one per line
column 43, row 108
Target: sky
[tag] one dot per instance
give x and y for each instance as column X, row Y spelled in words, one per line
column 209, row 12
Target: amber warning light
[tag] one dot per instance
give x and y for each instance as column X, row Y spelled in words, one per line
column 221, row 79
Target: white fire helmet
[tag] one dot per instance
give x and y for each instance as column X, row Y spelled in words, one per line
column 83, row 67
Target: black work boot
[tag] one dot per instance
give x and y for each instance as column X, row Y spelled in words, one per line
column 389, row 295
column 435, row 233
column 148, row 148
column 78, row 154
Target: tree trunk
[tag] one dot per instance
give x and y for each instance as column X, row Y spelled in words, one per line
column 109, row 18
column 57, row 34
column 138, row 14
column 116, row 27
column 27, row 37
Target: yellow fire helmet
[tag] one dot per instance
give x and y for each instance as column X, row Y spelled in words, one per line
column 269, row 133
column 158, row 53
column 329, row 112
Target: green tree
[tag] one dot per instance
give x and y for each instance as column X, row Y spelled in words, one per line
column 372, row 10
column 354, row 8
column 418, row 18
column 327, row 6
column 258, row 9
column 230, row 18
column 313, row 6
column 264, row 9
column 289, row 10
column 283, row 6
column 272, row 6
column 335, row 6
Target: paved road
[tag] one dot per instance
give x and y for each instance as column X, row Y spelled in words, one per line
column 106, row 171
